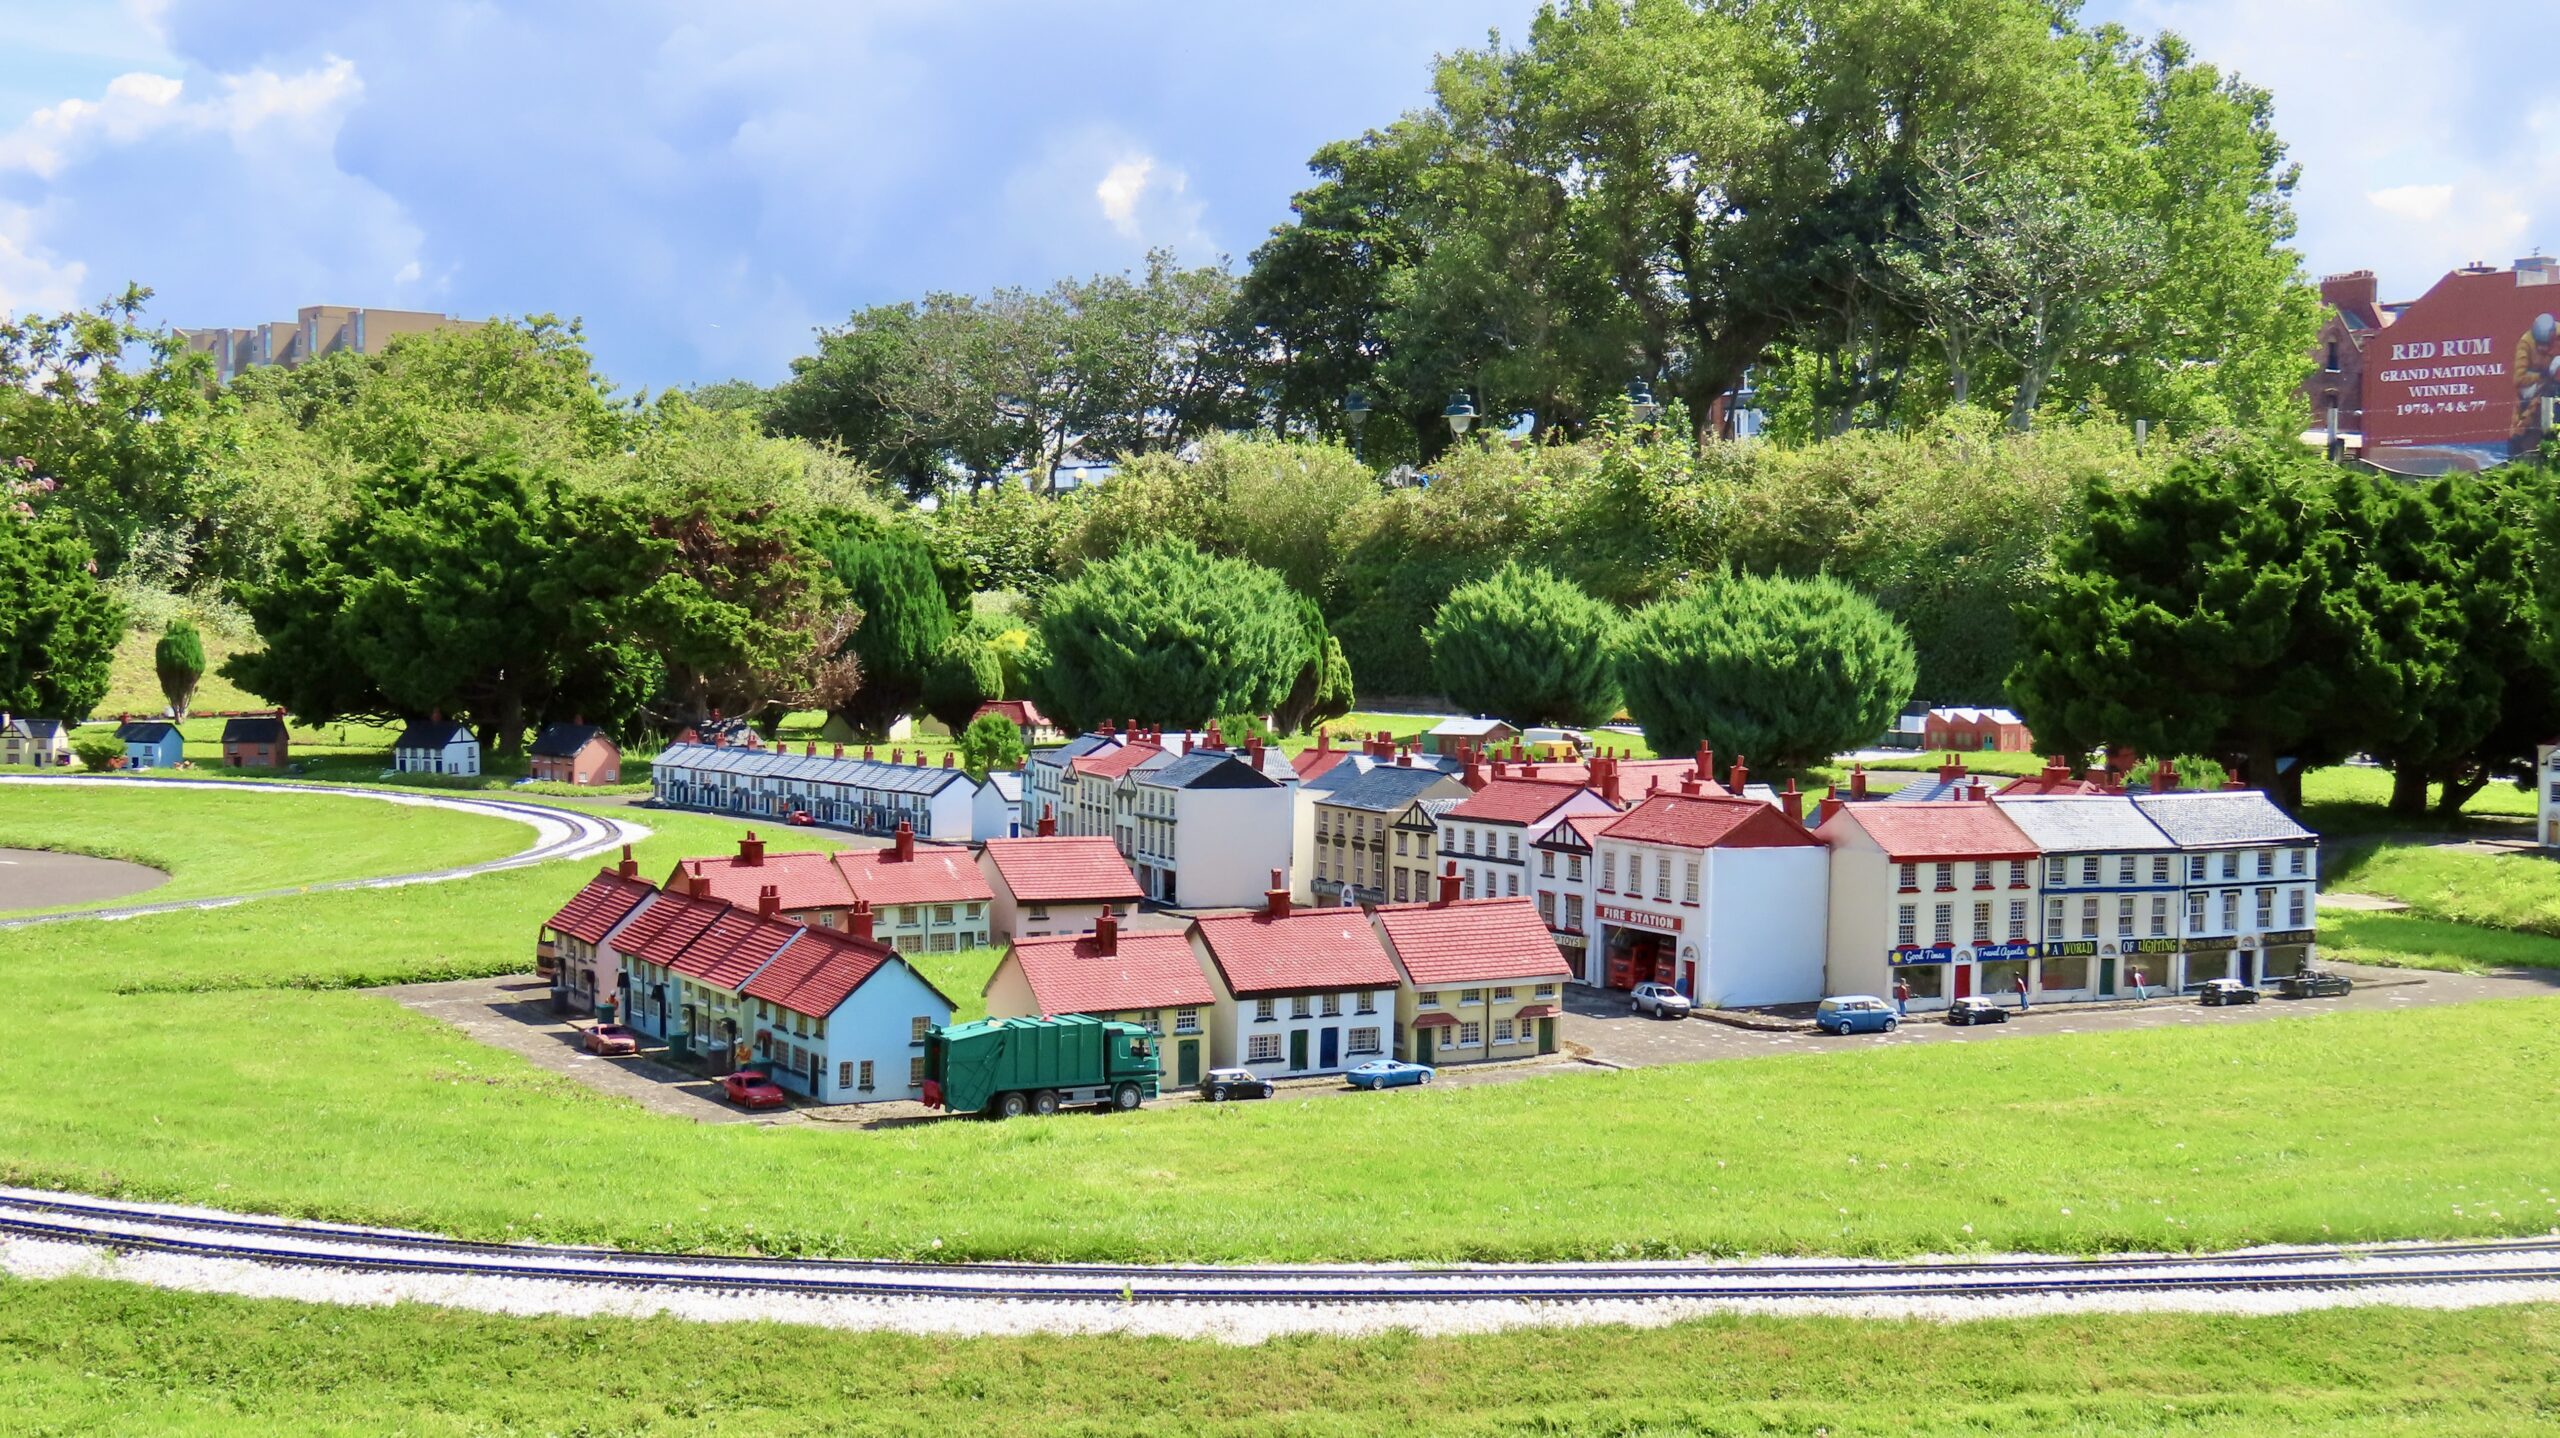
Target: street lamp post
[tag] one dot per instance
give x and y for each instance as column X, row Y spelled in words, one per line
column 1461, row 413
column 1640, row 399
column 1355, row 413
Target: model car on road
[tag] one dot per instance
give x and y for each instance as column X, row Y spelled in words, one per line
column 1968, row 1012
column 2316, row 984
column 2217, row 993
column 748, row 1089
column 799, row 818
column 611, row 1040
column 1388, row 1073
column 1220, row 1085
column 1856, row 1014
column 1660, row 1000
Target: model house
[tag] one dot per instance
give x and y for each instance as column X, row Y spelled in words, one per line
column 151, row 744
column 256, row 741
column 1968, row 730
column 1044, row 788
column 435, row 745
column 685, row 958
column 1718, row 895
column 1349, row 856
column 34, row 743
column 1564, row 882
column 1207, row 825
column 929, row 900
column 1025, row 717
column 2111, row 884
column 577, row 753
column 1491, row 834
column 2252, row 882
column 578, row 941
column 840, row 1018
column 1413, row 860
column 1940, row 897
column 808, row 886
column 1482, row 978
column 1055, row 884
column 1300, row 991
column 864, row 795
column 1149, row 977
column 1451, row 735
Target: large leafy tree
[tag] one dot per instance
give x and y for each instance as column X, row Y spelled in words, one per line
column 1525, row 646
column 2212, row 612
column 178, row 662
column 1167, row 634
column 58, row 627
column 1322, row 689
column 887, row 571
column 964, row 675
column 1786, row 672
column 991, row 742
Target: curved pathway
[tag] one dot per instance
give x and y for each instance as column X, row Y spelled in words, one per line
column 45, row 1233
column 558, row 834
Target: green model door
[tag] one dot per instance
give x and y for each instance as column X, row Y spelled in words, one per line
column 1546, row 1036
column 1187, row 1059
column 1422, row 1045
column 1298, row 1050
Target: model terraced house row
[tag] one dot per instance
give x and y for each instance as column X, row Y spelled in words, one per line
column 1300, row 991
column 1482, row 980
column 924, row 899
column 863, row 795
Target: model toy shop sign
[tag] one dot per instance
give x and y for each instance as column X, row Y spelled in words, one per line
column 1626, row 918
column 2458, row 380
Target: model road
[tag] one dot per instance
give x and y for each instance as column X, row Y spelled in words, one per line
column 557, row 834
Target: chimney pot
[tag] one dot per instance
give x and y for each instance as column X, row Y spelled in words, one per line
column 1106, row 932
column 1473, row 778
column 768, row 901
column 904, row 845
column 751, row 850
column 1276, row 898
column 1048, row 823
column 1741, row 772
column 947, row 757
column 630, row 867
column 809, row 749
column 1857, row 781
column 1448, row 887
column 2164, row 778
column 858, row 922
column 1689, row 788
column 1791, row 803
column 1830, row 805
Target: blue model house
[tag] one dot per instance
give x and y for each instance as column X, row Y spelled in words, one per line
column 151, row 744
column 841, row 1019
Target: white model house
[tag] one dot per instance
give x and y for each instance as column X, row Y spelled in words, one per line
column 2110, row 881
column 1300, row 991
column 1719, row 895
column 1207, row 826
column 2252, row 885
column 435, row 745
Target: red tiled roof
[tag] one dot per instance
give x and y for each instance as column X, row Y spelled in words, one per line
column 1112, row 763
column 1473, row 941
column 1701, row 823
column 817, row 973
column 1949, row 829
column 1330, row 948
column 2034, row 785
column 1316, row 763
column 807, row 879
column 606, row 901
column 1436, row 1021
column 1541, row 1011
column 1513, row 801
column 671, row 921
column 934, row 876
column 1635, row 774
column 1058, row 868
column 1153, row 969
column 1020, row 711
column 734, row 947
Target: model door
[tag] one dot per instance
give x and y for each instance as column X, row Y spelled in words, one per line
column 1422, row 1046
column 1329, row 1050
column 1546, row 1036
column 1298, row 1049
column 1187, row 1072
column 1964, row 981
column 2106, row 978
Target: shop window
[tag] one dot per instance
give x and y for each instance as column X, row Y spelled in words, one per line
column 1927, row 981
column 1906, row 925
column 2065, row 974
column 2002, row 977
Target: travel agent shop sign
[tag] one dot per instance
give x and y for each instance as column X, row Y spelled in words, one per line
column 1949, row 954
column 2457, row 381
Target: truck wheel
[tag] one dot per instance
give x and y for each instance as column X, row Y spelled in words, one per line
column 1011, row 1105
column 1125, row 1097
column 1045, row 1101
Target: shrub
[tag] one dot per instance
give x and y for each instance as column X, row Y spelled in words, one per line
column 1525, row 646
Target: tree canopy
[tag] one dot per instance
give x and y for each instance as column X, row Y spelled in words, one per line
column 178, row 662
column 1525, row 646
column 58, row 626
column 1165, row 634
column 887, row 571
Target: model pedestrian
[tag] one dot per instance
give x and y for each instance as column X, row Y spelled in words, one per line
column 2139, row 990
column 2022, row 993
column 1902, row 997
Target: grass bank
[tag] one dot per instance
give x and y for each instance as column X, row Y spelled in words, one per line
column 2410, row 942
column 213, row 843
column 90, row 1358
column 2515, row 891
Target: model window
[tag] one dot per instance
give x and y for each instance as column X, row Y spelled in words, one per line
column 1573, row 867
column 2089, row 869
column 916, row 1028
column 1511, row 885
column 1906, row 926
column 2266, row 909
column 2195, row 868
column 2124, row 918
column 1547, row 864
column 2124, row 869
column 2088, row 918
column 1471, row 885
column 1547, row 909
column 1511, row 848
column 1186, row 1021
column 2231, row 908
column 1265, row 1010
column 1609, row 873
column 1942, row 926
column 2294, row 909
column 2301, row 861
column 2159, row 915
column 1982, row 923
column 1469, row 840
column 1662, row 878
column 2231, row 864
column 1470, row 1035
column 2017, row 918
column 1470, row 997
column 1946, row 876
column 1332, row 1006
column 2053, row 920
column 1400, row 893
column 1982, row 873
column 1911, row 874
column 2195, row 913
column 2017, row 873
column 1428, row 999
column 1502, row 1031
column 1364, row 1041
column 2160, row 868
column 1368, row 1003
column 1301, row 1006
column 1689, row 881
column 1263, row 1049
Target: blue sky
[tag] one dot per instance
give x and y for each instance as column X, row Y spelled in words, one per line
column 704, row 183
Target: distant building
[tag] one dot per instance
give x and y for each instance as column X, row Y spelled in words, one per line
column 2462, row 378
column 256, row 741
column 44, row 743
column 575, row 754
column 1026, row 719
column 151, row 744
column 435, row 745
column 1976, row 731
column 1447, row 736
column 314, row 331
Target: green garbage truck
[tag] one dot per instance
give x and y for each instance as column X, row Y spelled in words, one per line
column 1009, row 1067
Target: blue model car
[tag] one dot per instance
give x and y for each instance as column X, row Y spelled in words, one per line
column 1855, row 1014
column 1388, row 1073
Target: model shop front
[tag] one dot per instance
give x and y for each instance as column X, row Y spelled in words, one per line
column 1939, row 975
column 2251, row 958
column 1642, row 947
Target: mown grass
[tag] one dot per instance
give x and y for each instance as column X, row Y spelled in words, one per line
column 2517, row 891
column 2410, row 942
column 212, row 843
column 92, row 1358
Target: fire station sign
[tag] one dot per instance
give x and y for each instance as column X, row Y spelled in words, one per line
column 1627, row 918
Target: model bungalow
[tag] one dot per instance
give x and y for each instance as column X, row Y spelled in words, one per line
column 1150, row 977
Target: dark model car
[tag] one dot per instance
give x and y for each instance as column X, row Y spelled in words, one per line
column 2316, row 984
column 2219, row 992
column 1976, row 1011
column 1223, row 1084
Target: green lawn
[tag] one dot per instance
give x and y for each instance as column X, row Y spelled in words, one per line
column 90, row 1358
column 212, row 843
column 2410, row 942
column 2499, row 891
column 963, row 976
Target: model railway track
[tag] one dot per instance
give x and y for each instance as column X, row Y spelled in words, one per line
column 559, row 834
column 278, row 1244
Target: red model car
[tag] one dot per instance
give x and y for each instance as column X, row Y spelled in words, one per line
column 799, row 816
column 748, row 1089
column 611, row 1040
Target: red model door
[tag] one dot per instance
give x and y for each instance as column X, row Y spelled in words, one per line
column 1964, row 981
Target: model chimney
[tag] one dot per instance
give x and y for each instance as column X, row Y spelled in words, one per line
column 1829, row 806
column 839, row 751
column 1501, row 769
column 897, row 756
column 1048, row 823
column 751, row 850
column 1473, row 778
column 809, row 750
column 866, row 753
column 1217, row 740
column 1857, row 781
column 1606, row 768
column 858, row 922
column 1791, row 803
column 1106, row 933
column 1741, row 771
column 1404, row 757
column 2234, row 782
column 2164, row 779
column 768, row 901
column 904, row 845
column 630, row 868
column 1706, row 760
column 1276, row 898
column 1689, row 787
column 1529, row 769
column 1449, row 885
column 1253, row 752
column 947, row 757
column 1950, row 769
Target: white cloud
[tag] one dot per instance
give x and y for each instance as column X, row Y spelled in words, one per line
column 1123, row 185
column 140, row 105
column 2423, row 203
column 31, row 280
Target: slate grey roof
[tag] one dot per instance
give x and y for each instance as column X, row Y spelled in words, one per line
column 258, row 729
column 2222, row 818
column 1057, row 755
column 42, row 728
column 145, row 731
column 1207, row 769
column 563, row 741
column 1384, row 789
column 1008, row 783
column 432, row 734
column 806, row 768
column 1432, row 809
column 1927, row 788
column 2085, row 823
